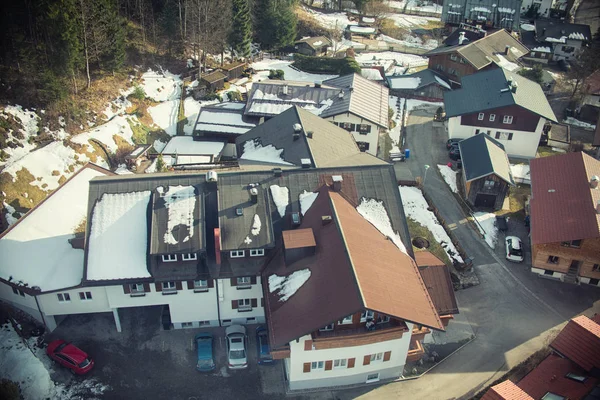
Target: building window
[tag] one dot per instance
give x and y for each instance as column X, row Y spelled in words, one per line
column 548, row 272
column 189, row 257
column 205, row 323
column 364, row 129
column 568, row 49
column 346, row 320
column 492, row 117
column 315, row 365
column 136, row 289
column 376, row 357
column 507, row 119
column 18, row 291
column 251, row 320
column 373, row 377
column 327, row 328
column 367, row 315
column 169, row 287
column 347, row 125
column 594, row 281
column 169, row 257
column 552, row 260
column 186, row 325
column 200, row 284
column 504, row 135
column 244, row 281
column 452, row 71
column 572, row 243
column 488, row 185
column 576, row 377
column 553, row 396
column 63, row 297
column 439, row 67
column 257, row 253
column 383, row 319
column 85, row 295
column 596, row 267
column 480, row 117
column 453, row 57
column 237, row 253
column 244, row 304
column 363, row 146
column 341, row 363
column 226, row 321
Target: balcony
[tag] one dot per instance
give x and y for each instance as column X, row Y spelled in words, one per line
column 358, row 335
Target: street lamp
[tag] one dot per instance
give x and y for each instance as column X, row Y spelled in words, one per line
column 425, row 177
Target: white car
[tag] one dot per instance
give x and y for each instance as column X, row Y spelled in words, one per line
column 514, row 249
column 236, row 347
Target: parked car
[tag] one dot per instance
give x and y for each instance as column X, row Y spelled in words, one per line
column 452, row 142
column 263, row 349
column 454, row 153
column 204, row 346
column 236, row 347
column 70, row 356
column 514, row 249
column 501, row 223
column 564, row 65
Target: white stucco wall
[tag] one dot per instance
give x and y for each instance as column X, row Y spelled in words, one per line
column 298, row 379
column 230, row 293
column 555, row 274
column 25, row 303
column 99, row 303
column 372, row 137
column 523, row 144
column 559, row 54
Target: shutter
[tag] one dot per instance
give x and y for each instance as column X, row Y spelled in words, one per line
column 308, row 345
column 477, row 131
column 387, row 355
column 233, row 281
column 146, row 288
column 178, row 285
column 253, row 280
column 367, row 360
column 510, row 136
column 126, row 289
column 351, row 362
column 158, row 286
column 328, row 365
column 234, row 304
column 497, row 135
column 353, row 127
column 368, row 128
column 254, row 302
column 262, row 301
column 211, row 283
column 306, row 367
column 190, row 285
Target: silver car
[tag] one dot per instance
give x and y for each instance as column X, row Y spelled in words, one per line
column 236, row 347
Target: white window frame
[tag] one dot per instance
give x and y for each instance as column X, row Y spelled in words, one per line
column 507, row 119
column 367, row 314
column 244, row 281
column 346, row 320
column 492, row 117
column 384, row 319
column 341, row 363
column 166, row 286
column 504, row 136
column 480, row 116
column 489, row 184
column 203, row 323
column 317, row 365
column 134, row 289
column 63, row 297
column 189, row 257
column 237, row 253
column 327, row 328
column 85, row 296
column 169, row 257
column 187, row 324
column 453, row 57
column 200, row 284
column 371, row 380
column 244, row 304
column 257, row 252
column 376, row 358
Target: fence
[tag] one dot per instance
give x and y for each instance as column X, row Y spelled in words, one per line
column 413, row 11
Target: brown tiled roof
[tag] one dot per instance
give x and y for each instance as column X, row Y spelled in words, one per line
column 298, row 238
column 591, row 85
column 550, row 376
column 562, row 203
column 437, row 280
column 579, row 341
column 347, row 276
column 506, row 390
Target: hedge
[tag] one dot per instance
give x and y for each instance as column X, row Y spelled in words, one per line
column 326, row 65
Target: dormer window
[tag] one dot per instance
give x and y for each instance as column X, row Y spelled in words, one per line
column 367, row 315
column 257, row 252
column 244, row 281
column 346, row 320
column 237, row 253
column 507, row 119
column 169, row 257
column 327, row 328
column 480, row 116
column 189, row 257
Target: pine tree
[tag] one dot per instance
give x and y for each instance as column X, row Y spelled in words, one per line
column 285, row 23
column 241, row 33
column 275, row 23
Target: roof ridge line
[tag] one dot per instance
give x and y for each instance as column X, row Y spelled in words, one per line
column 305, row 138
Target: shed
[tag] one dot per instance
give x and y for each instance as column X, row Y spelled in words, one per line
column 234, row 69
column 425, row 84
column 313, row 46
column 138, row 155
column 213, row 81
column 486, row 171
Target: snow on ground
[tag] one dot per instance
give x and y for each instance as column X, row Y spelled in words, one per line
column 191, row 108
column 122, row 170
column 180, row 202
column 486, row 223
column 256, row 152
column 396, row 104
column 409, row 40
column 387, row 58
column 374, row 211
column 337, row 21
column 415, row 207
column 581, row 124
column 159, row 145
column 161, row 86
column 508, row 65
column 105, row 133
column 290, row 74
column 165, row 116
column 118, row 237
column 528, row 27
column 119, row 105
column 29, row 121
column 520, row 173
column 449, row 176
column 306, row 200
column 410, row 21
column 256, row 225
column 415, row 5
column 287, row 286
column 281, row 198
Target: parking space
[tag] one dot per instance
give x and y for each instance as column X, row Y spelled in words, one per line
column 144, row 361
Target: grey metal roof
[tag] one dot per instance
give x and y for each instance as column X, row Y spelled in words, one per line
column 481, row 156
column 555, row 29
column 328, row 145
column 224, row 119
column 427, row 77
column 486, row 90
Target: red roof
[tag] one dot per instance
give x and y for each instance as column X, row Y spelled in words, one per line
column 506, row 390
column 438, row 282
column 591, row 85
column 579, row 341
column 550, row 376
column 563, row 206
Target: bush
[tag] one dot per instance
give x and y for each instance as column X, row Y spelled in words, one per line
column 9, row 390
column 276, row 74
column 138, row 93
column 234, row 96
column 160, row 164
column 212, row 96
column 534, row 74
column 326, row 65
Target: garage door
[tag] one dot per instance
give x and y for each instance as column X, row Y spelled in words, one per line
column 485, row 200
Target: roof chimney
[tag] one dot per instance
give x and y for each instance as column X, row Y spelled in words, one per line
column 277, row 172
column 341, row 94
column 544, row 32
column 337, row 182
column 594, row 182
column 254, row 195
column 513, row 87
column 318, row 84
column 305, row 162
column 506, row 49
column 297, row 130
column 326, row 219
column 309, row 134
column 284, row 89
column 461, row 38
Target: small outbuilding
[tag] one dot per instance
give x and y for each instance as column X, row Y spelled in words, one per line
column 234, row 70
column 213, row 81
column 313, row 46
column 425, row 84
column 486, row 171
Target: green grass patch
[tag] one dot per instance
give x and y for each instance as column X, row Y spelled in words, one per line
column 15, row 191
column 387, row 145
column 545, row 151
column 418, row 230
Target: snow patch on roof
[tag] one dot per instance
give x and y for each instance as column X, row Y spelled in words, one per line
column 256, row 225
column 281, row 196
column 119, row 237
column 188, row 146
column 508, row 65
column 543, row 49
column 287, row 286
column 528, row 27
column 481, row 9
column 577, row 35
column 374, row 211
column 404, row 82
column 180, row 202
column 256, row 152
column 306, row 200
column 562, row 39
column 442, row 82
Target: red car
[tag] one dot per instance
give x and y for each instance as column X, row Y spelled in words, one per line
column 70, row 356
